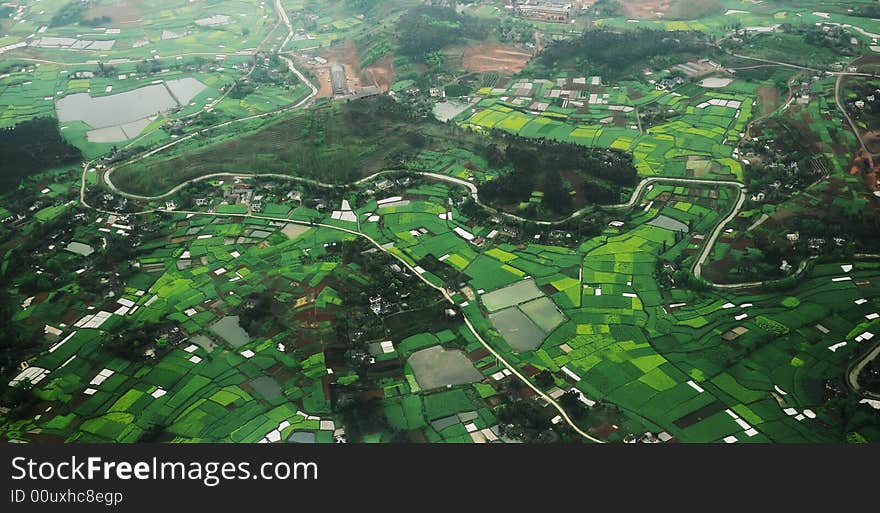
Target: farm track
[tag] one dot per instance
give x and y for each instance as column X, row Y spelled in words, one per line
column 840, row 76
column 446, row 295
column 779, row 110
column 849, row 120
column 696, row 269
column 474, row 193
column 852, row 373
column 301, row 103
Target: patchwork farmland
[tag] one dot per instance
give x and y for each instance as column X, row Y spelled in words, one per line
column 467, row 241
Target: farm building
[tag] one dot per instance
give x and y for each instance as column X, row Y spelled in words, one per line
column 547, row 10
column 337, row 80
column 367, row 92
column 79, row 248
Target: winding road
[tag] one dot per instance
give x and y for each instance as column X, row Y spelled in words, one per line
column 473, row 191
column 849, row 120
column 446, row 295
column 852, row 374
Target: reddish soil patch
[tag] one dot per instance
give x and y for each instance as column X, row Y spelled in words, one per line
column 123, row 12
column 872, row 140
column 603, row 430
column 742, row 243
column 769, row 99
column 478, row 354
column 720, row 268
column 781, row 215
column 486, row 365
column 644, row 9
column 345, row 54
column 70, row 316
column 530, row 370
column 371, row 394
column 325, row 384
column 45, row 438
column 863, row 165
column 494, row 57
column 379, row 74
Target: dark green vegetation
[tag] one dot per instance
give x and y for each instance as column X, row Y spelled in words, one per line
column 424, row 30
column 869, row 377
column 334, row 144
column 74, row 12
column 266, row 309
column 566, row 176
column 71, row 13
column 615, row 55
column 31, row 147
column 869, row 10
column 805, row 45
column 860, row 100
column 268, row 71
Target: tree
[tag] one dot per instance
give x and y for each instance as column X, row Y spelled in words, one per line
column 360, row 417
column 570, row 401
column 425, row 29
column 20, row 400
column 544, row 379
column 31, row 147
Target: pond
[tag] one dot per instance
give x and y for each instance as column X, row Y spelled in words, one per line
column 116, row 133
column 669, row 223
column 511, row 295
column 266, row 387
column 204, row 342
column 302, row 437
column 544, row 313
column 185, row 89
column 437, row 367
column 518, row 330
column 231, row 331
column 115, row 109
column 123, row 116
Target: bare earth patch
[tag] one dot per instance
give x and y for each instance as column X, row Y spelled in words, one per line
column 769, row 99
column 438, row 367
column 379, row 74
column 293, row 230
column 122, row 12
column 494, row 57
column 645, row 9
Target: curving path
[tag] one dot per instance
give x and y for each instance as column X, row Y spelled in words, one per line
column 308, row 99
column 474, row 193
column 852, row 374
column 849, row 120
column 446, row 296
